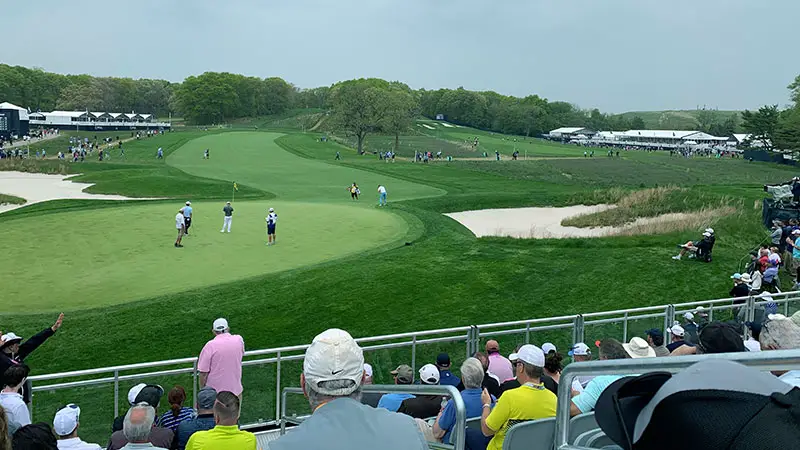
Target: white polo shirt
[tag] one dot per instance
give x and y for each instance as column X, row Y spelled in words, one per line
column 381, row 189
column 180, row 221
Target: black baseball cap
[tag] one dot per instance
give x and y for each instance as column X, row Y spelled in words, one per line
column 654, row 332
column 715, row 403
column 720, row 337
column 150, row 394
column 443, row 359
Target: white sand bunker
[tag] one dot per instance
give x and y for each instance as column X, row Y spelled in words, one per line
column 445, row 124
column 428, row 126
column 546, row 222
column 38, row 187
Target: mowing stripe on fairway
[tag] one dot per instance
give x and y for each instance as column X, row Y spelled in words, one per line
column 82, row 259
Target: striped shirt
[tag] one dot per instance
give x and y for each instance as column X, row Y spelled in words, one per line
column 168, row 420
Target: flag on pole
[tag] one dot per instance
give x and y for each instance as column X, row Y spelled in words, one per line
column 235, row 186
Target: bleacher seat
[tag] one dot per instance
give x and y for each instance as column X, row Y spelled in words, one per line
column 580, row 424
column 474, row 423
column 533, row 435
column 600, row 440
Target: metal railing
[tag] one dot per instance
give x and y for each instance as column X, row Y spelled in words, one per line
column 458, row 435
column 772, row 360
column 470, row 336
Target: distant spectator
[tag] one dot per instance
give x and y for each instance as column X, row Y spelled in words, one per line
column 676, row 333
column 333, row 371
column 689, row 328
column 445, row 376
column 498, row 364
column 781, row 333
column 656, row 340
column 472, row 376
column 701, row 316
column 226, row 434
column 403, row 375
column 549, row 347
column 424, row 406
column 137, row 428
column 553, row 365
column 370, row 398
column 17, row 413
column 751, row 343
column 770, row 278
column 639, row 348
column 715, row 337
column 37, row 436
column 513, row 383
column 580, row 352
column 530, row 401
column 66, row 424
column 204, row 420
column 586, row 400
column 777, row 232
column 490, row 380
column 739, row 289
column 220, row 362
column 149, row 395
column 14, row 352
column 177, row 413
column 701, row 249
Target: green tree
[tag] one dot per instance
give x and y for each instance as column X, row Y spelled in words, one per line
column 762, row 124
column 637, row 123
column 360, row 107
column 402, row 107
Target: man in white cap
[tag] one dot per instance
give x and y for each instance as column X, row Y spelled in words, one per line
column 370, row 398
column 227, row 210
column 65, row 424
column 676, row 333
column 530, row 401
column 220, row 361
column 13, row 351
column 333, row 373
column 187, row 216
column 580, row 352
column 272, row 221
column 423, row 406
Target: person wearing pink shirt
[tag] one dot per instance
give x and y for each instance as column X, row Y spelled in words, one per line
column 498, row 364
column 220, row 362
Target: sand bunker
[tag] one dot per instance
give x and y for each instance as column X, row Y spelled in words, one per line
column 546, row 222
column 428, row 126
column 445, row 124
column 39, row 187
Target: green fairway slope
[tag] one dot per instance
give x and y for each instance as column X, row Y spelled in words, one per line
column 81, row 259
column 254, row 159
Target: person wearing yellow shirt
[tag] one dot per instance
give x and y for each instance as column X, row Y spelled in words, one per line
column 530, row 401
column 226, row 434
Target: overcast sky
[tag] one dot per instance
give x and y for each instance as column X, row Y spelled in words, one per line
column 617, row 55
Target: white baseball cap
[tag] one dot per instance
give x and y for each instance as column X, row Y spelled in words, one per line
column 677, row 330
column 530, row 354
column 272, row 210
column 688, row 316
column 367, row 370
column 188, row 203
column 580, row 349
column 220, row 325
column 639, row 348
column 429, row 374
column 709, row 230
column 333, row 355
column 706, row 234
column 548, row 347
column 134, row 392
column 66, row 419
column 8, row 339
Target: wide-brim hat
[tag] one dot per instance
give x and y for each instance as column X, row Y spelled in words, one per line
column 8, row 339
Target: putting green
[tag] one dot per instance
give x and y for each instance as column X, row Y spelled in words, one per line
column 254, row 159
column 81, row 259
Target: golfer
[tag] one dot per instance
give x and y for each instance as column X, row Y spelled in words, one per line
column 226, row 221
column 272, row 220
column 180, row 224
column 187, row 214
column 381, row 195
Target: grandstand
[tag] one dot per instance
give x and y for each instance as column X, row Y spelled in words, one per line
column 562, row 431
column 97, row 121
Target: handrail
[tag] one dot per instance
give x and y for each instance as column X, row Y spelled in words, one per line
column 458, row 435
column 774, row 360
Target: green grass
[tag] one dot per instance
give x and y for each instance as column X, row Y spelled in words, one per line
column 446, row 278
column 11, row 200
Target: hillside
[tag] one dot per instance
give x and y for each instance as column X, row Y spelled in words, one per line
column 680, row 119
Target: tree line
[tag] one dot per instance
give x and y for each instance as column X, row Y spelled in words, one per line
column 771, row 127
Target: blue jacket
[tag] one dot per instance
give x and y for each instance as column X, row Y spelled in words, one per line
column 186, row 429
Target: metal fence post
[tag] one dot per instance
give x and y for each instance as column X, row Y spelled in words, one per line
column 116, row 393
column 29, row 385
column 414, row 352
column 669, row 316
column 577, row 329
column 625, row 328
column 194, row 382
column 528, row 333
column 278, row 387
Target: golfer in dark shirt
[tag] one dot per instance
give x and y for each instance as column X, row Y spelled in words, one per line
column 228, row 211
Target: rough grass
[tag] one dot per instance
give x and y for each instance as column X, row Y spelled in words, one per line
column 11, row 200
column 676, row 222
column 652, row 203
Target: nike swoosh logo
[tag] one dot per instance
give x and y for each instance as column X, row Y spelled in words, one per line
column 337, row 372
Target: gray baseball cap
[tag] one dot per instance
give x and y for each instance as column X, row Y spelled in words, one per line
column 206, row 398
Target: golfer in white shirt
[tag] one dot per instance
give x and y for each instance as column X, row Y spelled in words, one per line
column 180, row 224
column 381, row 195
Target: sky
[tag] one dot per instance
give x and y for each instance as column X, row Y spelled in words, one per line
column 616, row 55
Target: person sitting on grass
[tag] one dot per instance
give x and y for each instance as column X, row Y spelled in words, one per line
column 700, row 249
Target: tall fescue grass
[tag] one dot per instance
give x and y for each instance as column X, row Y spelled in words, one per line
column 11, row 200
column 673, row 222
column 34, row 166
column 649, row 203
